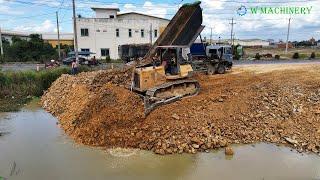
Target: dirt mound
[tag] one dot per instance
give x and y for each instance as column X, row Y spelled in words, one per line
column 89, row 104
column 96, row 109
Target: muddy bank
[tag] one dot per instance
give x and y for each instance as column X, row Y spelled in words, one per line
column 241, row 107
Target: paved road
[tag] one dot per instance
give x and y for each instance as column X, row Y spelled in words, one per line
column 291, row 61
column 23, row 66
column 19, row 66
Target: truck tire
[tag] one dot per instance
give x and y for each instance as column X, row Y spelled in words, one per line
column 211, row 69
column 221, row 69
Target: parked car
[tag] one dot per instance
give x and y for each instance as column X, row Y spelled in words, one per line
column 51, row 64
column 69, row 60
column 84, row 58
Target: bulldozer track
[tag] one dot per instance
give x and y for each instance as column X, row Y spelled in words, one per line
column 151, row 101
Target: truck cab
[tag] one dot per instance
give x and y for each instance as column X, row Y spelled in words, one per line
column 219, row 52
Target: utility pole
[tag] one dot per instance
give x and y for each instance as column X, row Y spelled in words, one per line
column 151, row 34
column 1, row 46
column 232, row 23
column 211, row 37
column 58, row 31
column 75, row 31
column 234, row 35
column 288, row 35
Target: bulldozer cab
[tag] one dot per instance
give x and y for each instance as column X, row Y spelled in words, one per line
column 171, row 59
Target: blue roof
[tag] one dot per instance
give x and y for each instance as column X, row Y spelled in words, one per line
column 82, row 53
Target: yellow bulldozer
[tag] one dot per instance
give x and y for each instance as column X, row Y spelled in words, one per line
column 163, row 75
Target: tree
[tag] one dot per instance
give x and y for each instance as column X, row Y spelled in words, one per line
column 34, row 49
column 15, row 39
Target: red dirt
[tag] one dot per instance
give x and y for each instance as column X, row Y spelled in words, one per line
column 279, row 107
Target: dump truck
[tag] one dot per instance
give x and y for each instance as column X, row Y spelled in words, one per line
column 163, row 75
column 211, row 58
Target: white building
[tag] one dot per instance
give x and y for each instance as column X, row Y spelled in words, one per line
column 8, row 35
column 104, row 33
column 244, row 42
column 251, row 42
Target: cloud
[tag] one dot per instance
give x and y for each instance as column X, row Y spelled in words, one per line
column 4, row 9
column 217, row 14
column 52, row 3
column 89, row 4
column 56, row 29
column 159, row 10
column 213, row 4
column 46, row 26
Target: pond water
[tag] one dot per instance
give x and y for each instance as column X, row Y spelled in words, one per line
column 34, row 147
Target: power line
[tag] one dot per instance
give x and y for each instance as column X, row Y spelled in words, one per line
column 26, row 17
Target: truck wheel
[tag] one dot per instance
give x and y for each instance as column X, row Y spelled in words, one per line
column 211, row 69
column 221, row 69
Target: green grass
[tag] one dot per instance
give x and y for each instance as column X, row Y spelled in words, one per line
column 304, row 56
column 17, row 88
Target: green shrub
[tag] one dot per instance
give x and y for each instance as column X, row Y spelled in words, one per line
column 1, row 59
column 22, row 84
column 108, row 59
column 296, row 55
column 313, row 55
column 257, row 56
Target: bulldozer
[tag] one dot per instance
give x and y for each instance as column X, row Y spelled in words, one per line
column 163, row 75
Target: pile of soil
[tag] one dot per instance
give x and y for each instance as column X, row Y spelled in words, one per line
column 280, row 107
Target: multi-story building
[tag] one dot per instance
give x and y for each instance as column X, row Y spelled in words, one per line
column 52, row 38
column 109, row 29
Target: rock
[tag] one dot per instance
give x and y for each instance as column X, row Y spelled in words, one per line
column 228, row 151
column 196, row 140
column 161, row 152
column 223, row 143
column 196, row 146
column 175, row 116
column 220, row 100
column 291, row 141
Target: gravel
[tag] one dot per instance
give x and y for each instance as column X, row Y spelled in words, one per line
column 280, row 107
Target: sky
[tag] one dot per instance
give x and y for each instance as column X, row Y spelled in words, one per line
column 40, row 16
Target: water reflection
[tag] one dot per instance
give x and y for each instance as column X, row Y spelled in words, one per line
column 40, row 150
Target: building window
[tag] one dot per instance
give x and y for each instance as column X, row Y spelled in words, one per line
column 130, row 32
column 85, row 50
column 117, row 33
column 111, row 16
column 142, row 33
column 105, row 52
column 84, row 32
column 155, row 33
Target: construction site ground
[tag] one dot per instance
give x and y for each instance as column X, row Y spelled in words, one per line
column 278, row 103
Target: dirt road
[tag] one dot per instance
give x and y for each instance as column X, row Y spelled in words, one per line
column 253, row 103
